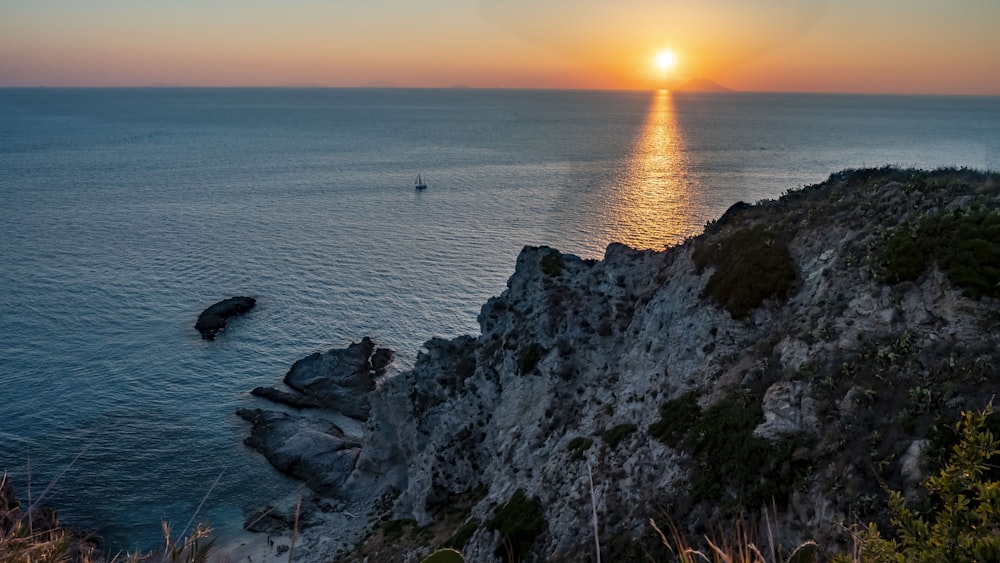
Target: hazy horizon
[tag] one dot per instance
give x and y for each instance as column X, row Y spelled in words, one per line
column 814, row 46
column 467, row 87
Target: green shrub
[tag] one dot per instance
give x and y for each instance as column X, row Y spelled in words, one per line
column 577, row 446
column 520, row 521
column 964, row 526
column 677, row 418
column 730, row 461
column 615, row 435
column 751, row 265
column 965, row 245
column 552, row 264
column 946, row 433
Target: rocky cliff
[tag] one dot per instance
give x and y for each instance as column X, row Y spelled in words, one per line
column 783, row 368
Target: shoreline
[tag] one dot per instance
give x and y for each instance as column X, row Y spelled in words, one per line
column 250, row 547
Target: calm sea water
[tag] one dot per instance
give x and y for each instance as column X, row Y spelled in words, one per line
column 123, row 213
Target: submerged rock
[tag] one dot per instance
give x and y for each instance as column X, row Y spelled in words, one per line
column 214, row 318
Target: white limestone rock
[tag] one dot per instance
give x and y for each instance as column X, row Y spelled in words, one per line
column 789, row 410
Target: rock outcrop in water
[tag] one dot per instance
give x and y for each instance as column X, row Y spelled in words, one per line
column 315, row 448
column 796, row 357
column 214, row 318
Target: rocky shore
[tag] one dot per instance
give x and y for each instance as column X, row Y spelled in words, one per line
column 787, row 365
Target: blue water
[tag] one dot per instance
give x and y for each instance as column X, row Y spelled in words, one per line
column 123, row 213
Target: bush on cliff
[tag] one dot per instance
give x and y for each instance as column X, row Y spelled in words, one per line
column 552, row 264
column 964, row 526
column 965, row 245
column 618, row 433
column 520, row 521
column 732, row 463
column 751, row 265
column 577, row 446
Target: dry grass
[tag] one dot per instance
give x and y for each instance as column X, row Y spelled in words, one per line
column 740, row 550
column 31, row 535
column 34, row 535
column 742, row 545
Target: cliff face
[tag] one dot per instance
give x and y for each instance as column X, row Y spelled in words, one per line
column 786, row 359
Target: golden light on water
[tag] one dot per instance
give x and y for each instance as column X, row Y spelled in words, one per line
column 652, row 201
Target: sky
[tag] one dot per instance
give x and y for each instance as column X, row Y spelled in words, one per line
column 866, row 46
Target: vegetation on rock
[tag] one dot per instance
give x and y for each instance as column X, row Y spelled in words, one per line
column 577, row 446
column 732, row 463
column 965, row 245
column 552, row 264
column 751, row 265
column 520, row 521
column 617, row 433
column 963, row 524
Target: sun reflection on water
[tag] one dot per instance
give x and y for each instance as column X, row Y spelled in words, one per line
column 650, row 204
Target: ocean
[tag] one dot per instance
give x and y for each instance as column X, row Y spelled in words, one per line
column 125, row 212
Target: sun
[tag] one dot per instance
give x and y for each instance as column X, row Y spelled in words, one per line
column 665, row 60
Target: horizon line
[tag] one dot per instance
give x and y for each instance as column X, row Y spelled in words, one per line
column 467, row 87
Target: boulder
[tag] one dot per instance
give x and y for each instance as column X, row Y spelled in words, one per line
column 213, row 319
column 341, row 378
column 313, row 448
column 310, row 449
column 789, row 410
column 284, row 515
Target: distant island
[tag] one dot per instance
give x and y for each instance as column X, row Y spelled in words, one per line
column 700, row 85
column 379, row 84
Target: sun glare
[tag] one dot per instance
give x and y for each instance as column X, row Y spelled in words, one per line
column 665, row 60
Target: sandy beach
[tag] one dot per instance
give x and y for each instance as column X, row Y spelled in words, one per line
column 252, row 547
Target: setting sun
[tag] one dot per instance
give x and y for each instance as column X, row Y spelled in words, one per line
column 665, row 60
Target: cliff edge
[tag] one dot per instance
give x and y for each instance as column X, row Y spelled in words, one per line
column 784, row 365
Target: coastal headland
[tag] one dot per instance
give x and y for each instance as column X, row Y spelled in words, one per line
column 784, row 369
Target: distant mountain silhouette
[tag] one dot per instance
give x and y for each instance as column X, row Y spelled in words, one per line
column 461, row 87
column 700, row 85
column 380, row 84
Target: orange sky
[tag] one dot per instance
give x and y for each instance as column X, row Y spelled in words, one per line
column 904, row 46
